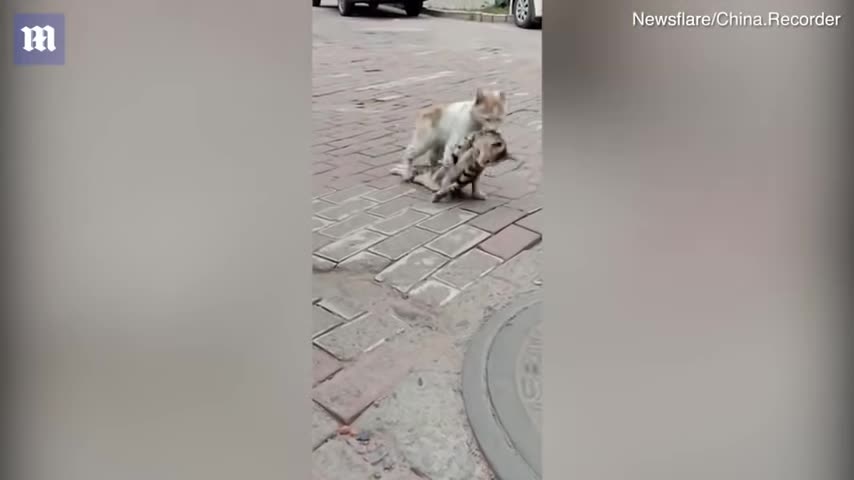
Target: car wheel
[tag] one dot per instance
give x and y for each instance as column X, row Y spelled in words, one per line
column 413, row 7
column 315, row 3
column 345, row 7
column 523, row 13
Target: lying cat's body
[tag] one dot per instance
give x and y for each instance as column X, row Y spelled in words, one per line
column 470, row 157
column 439, row 129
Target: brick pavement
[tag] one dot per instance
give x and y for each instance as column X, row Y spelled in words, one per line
column 393, row 271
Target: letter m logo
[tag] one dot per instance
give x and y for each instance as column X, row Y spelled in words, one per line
column 39, row 39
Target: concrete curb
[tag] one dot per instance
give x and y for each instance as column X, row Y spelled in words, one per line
column 469, row 15
column 507, row 460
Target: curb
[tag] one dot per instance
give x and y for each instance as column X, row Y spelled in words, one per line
column 469, row 15
column 505, row 459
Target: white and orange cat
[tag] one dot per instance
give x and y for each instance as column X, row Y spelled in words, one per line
column 440, row 128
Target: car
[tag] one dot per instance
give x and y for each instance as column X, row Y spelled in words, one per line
column 345, row 7
column 527, row 13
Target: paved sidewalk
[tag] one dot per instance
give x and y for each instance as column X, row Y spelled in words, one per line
column 401, row 284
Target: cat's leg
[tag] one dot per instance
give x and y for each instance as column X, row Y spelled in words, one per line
column 448, row 184
column 436, row 155
column 445, row 191
column 450, row 146
column 475, row 192
column 423, row 140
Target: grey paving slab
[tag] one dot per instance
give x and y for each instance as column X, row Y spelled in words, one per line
column 467, row 268
column 335, row 460
column 458, row 241
column 411, row 269
column 354, row 338
column 434, row 293
column 404, row 242
column 318, row 223
column 352, row 244
column 323, row 426
column 349, row 194
column 390, row 193
column 510, row 241
column 431, row 208
column 349, row 225
column 321, row 265
column 319, row 241
column 322, row 321
column 318, row 205
column 344, row 210
column 497, row 218
column 399, row 222
column 502, row 389
column 483, row 206
column 323, row 365
column 343, row 306
column 392, row 207
column 446, row 220
column 365, row 261
column 533, row 222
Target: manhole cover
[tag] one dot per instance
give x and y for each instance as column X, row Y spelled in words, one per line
column 502, row 389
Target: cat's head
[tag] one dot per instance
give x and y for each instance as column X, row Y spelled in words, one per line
column 491, row 148
column 489, row 108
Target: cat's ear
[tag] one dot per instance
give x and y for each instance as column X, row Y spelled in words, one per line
column 479, row 96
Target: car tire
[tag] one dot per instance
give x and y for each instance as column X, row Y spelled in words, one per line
column 523, row 13
column 346, row 7
column 315, row 3
column 413, row 7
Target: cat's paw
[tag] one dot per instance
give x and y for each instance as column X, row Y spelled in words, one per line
column 478, row 196
column 436, row 197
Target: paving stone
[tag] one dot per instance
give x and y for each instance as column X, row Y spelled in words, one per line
column 322, row 321
column 524, row 269
column 411, row 269
column 335, row 460
column 497, row 218
column 323, row 426
column 348, row 194
column 399, row 222
column 446, row 220
column 365, row 262
column 343, row 228
column 344, row 210
column 392, row 207
column 369, row 379
column 467, row 268
column 529, row 203
column 483, row 206
column 430, row 208
column 510, row 241
column 458, row 241
column 384, row 182
column 390, row 193
column 319, row 241
column 323, row 365
column 350, row 245
column 434, row 293
column 318, row 223
column 533, row 222
column 352, row 339
column 404, row 242
column 321, row 265
column 318, row 205
column 345, row 307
